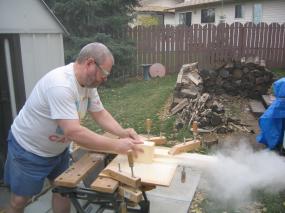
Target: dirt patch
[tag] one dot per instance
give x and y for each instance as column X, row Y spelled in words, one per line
column 238, row 108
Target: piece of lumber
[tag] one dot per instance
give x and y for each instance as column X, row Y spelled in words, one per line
column 185, row 147
column 158, row 140
column 179, row 77
column 130, row 193
column 76, row 172
column 256, row 107
column 122, row 177
column 179, row 106
column 195, row 77
column 189, row 93
column 105, row 184
column 147, row 155
column 268, row 99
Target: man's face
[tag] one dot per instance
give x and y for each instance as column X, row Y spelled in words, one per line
column 97, row 73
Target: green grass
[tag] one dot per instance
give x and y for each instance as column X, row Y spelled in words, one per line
column 279, row 72
column 135, row 101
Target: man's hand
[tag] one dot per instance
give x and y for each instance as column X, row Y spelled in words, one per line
column 126, row 144
column 131, row 133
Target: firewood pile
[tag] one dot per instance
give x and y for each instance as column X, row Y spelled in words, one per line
column 247, row 78
column 197, row 93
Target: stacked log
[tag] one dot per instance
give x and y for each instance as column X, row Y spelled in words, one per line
column 197, row 93
column 247, row 78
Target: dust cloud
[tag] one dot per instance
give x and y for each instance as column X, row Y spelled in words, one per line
column 239, row 171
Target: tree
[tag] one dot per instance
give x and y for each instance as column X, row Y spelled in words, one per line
column 104, row 21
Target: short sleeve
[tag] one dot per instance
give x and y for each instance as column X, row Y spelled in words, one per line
column 62, row 103
column 95, row 104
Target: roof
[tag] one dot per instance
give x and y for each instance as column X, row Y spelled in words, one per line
column 157, row 6
column 60, row 24
column 29, row 16
column 194, row 3
column 151, row 8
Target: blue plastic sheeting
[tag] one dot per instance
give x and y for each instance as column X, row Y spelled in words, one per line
column 272, row 122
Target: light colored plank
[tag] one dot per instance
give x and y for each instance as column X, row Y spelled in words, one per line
column 131, row 194
column 123, row 177
column 147, row 155
column 105, row 184
column 158, row 140
column 154, row 173
column 76, row 172
column 185, row 147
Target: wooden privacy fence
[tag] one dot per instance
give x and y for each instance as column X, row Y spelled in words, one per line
column 210, row 45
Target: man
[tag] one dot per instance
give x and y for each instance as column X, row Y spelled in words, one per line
column 50, row 119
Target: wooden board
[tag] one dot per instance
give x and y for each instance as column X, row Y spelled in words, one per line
column 105, row 184
column 256, row 107
column 156, row 173
column 76, row 172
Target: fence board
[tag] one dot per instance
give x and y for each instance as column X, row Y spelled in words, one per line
column 210, row 45
column 282, row 46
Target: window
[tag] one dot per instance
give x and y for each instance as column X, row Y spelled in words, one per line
column 208, row 15
column 257, row 13
column 238, row 11
column 185, row 18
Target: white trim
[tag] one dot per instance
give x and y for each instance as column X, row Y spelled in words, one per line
column 10, row 78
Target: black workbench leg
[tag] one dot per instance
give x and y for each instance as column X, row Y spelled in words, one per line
column 77, row 205
column 144, row 204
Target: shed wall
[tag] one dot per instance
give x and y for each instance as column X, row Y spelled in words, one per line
column 40, row 54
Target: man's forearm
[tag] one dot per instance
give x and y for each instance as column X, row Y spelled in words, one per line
column 108, row 123
column 88, row 139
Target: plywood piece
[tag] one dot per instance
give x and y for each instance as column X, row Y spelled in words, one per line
column 131, row 194
column 268, row 99
column 256, row 107
column 76, row 172
column 105, row 184
column 147, row 155
column 185, row 147
column 123, row 177
column 155, row 173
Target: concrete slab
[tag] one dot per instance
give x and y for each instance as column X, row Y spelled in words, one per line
column 4, row 197
column 176, row 198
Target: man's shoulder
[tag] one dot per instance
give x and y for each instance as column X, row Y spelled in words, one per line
column 61, row 76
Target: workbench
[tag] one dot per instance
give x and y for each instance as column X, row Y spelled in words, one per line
column 113, row 187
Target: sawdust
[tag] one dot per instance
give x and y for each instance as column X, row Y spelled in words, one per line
column 164, row 113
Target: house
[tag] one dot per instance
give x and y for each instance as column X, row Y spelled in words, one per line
column 31, row 44
column 157, row 10
column 229, row 11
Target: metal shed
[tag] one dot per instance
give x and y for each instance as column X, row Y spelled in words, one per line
column 31, row 44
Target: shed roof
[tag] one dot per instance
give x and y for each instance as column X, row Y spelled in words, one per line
column 29, row 16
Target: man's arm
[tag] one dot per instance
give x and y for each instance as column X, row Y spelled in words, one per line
column 86, row 138
column 109, row 124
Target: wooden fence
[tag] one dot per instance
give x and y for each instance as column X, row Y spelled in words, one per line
column 210, row 45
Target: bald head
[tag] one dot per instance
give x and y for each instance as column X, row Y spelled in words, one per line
column 95, row 50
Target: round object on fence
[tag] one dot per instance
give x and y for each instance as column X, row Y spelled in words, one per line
column 157, row 70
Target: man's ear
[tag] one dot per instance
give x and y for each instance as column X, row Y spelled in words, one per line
column 89, row 61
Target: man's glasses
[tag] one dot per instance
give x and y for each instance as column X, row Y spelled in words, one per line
column 104, row 72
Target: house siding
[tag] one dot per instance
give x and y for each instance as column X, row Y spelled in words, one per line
column 272, row 11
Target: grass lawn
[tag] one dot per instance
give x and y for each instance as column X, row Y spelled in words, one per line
column 135, row 101
column 279, row 72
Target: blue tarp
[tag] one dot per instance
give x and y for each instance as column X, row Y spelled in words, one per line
column 272, row 122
